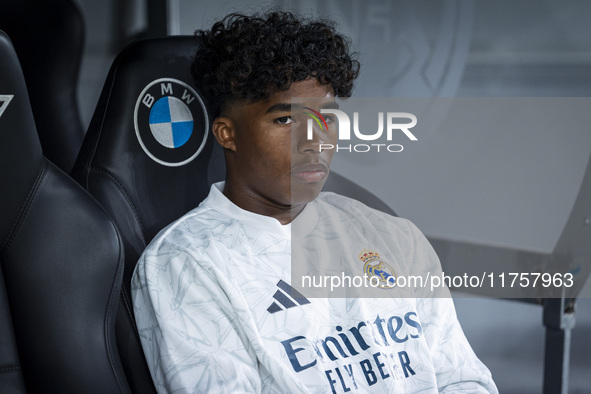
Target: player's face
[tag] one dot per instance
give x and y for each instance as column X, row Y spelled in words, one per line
column 273, row 165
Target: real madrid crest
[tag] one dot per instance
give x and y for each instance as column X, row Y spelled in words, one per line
column 375, row 267
column 171, row 122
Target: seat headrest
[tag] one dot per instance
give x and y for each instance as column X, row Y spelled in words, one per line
column 20, row 151
column 150, row 133
column 48, row 37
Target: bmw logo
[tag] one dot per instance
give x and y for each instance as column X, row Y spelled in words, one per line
column 171, row 123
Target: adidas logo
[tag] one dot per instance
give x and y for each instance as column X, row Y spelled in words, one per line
column 286, row 297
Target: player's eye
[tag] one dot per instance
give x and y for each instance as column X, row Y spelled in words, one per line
column 284, row 120
column 330, row 118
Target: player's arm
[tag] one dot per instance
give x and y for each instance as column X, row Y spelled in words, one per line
column 188, row 327
column 458, row 369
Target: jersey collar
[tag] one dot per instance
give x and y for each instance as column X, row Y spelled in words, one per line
column 299, row 227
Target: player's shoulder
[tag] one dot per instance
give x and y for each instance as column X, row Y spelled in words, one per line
column 353, row 207
column 189, row 241
column 355, row 212
column 190, row 233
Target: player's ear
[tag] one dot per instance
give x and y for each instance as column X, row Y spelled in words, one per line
column 224, row 131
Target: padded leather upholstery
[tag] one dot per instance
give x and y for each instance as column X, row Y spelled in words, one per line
column 48, row 36
column 143, row 195
column 61, row 261
column 11, row 376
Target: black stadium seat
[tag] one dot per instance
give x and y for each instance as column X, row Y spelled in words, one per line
column 144, row 178
column 143, row 184
column 48, row 36
column 61, row 264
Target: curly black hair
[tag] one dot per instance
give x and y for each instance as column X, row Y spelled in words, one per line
column 248, row 58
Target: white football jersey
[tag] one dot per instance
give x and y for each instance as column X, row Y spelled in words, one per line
column 217, row 312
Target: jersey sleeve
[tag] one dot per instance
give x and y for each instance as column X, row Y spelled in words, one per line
column 187, row 327
column 458, row 369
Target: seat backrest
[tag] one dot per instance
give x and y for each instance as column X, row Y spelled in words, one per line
column 11, row 375
column 147, row 158
column 61, row 259
column 339, row 184
column 48, row 36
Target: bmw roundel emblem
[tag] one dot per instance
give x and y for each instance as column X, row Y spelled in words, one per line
column 170, row 122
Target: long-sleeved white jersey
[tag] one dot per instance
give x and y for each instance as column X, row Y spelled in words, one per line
column 216, row 311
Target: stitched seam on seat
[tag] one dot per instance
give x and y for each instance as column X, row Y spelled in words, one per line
column 24, row 209
column 101, row 171
column 129, row 307
column 108, row 175
column 10, row 369
column 89, row 165
column 113, row 297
